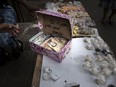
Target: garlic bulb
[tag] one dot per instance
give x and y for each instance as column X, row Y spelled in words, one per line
column 100, row 79
column 46, row 76
column 107, row 71
column 104, row 64
column 109, row 58
column 94, row 71
column 89, row 47
column 114, row 70
column 112, row 64
column 89, row 58
column 87, row 40
column 100, row 58
column 87, row 65
column 54, row 76
column 47, row 70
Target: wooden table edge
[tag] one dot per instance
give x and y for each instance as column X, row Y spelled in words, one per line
column 37, row 71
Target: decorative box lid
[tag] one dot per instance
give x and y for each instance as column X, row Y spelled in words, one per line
column 54, row 23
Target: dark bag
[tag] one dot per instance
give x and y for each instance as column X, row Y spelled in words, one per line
column 7, row 54
column 17, row 51
column 100, row 3
column 1, row 19
column 3, row 56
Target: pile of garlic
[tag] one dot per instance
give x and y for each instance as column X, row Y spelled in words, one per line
column 95, row 42
column 100, row 67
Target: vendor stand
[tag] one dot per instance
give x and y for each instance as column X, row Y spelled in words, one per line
column 89, row 63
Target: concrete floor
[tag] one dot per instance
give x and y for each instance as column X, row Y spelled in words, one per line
column 19, row 73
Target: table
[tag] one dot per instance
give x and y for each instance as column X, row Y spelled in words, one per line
column 37, row 71
column 71, row 67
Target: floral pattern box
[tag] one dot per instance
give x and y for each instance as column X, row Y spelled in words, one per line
column 52, row 25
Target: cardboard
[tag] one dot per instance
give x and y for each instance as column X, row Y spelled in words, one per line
column 55, row 24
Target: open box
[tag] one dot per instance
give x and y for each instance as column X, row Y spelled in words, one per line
column 53, row 25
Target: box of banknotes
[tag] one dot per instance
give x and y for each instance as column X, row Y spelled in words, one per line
column 54, row 40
